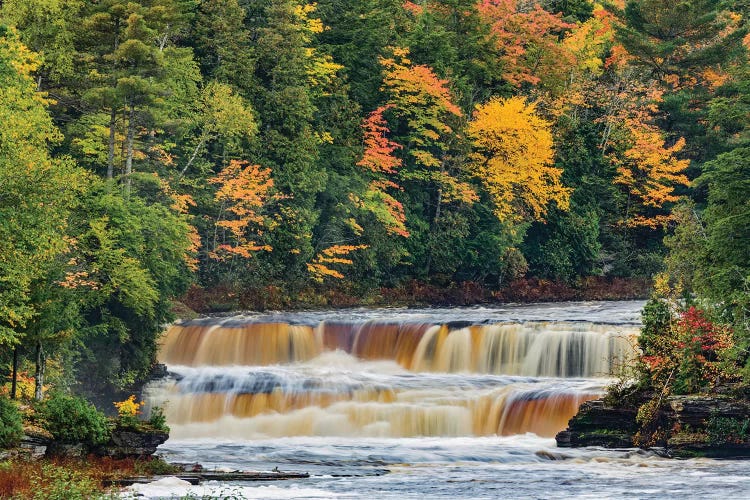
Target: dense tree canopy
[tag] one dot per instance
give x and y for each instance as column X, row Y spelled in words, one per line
column 276, row 150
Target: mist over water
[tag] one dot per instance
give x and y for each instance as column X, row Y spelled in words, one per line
column 432, row 403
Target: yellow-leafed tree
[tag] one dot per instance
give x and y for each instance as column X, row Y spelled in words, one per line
column 513, row 158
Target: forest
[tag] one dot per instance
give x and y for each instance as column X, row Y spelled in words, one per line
column 270, row 153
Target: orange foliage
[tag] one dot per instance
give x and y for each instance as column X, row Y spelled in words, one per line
column 425, row 104
column 334, row 255
column 379, row 159
column 649, row 171
column 529, row 41
column 243, row 190
column 413, row 8
column 412, row 86
column 647, row 168
column 378, row 156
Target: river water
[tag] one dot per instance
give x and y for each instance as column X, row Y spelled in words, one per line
column 411, row 403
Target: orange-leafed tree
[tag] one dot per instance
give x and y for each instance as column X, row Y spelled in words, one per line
column 649, row 171
column 423, row 105
column 327, row 260
column 242, row 192
column 380, row 160
column 529, row 38
column 513, row 158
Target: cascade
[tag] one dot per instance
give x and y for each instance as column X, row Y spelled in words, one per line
column 542, row 349
column 241, row 379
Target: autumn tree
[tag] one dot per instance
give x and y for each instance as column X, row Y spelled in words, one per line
column 513, row 159
column 242, row 191
column 649, row 170
column 530, row 41
column 424, row 106
column 380, row 160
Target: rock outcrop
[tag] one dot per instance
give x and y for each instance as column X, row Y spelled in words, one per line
column 695, row 425
column 131, row 443
column 598, row 424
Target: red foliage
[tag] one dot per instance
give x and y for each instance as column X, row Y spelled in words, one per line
column 707, row 337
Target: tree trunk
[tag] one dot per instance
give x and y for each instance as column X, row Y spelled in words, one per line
column 129, row 152
column 39, row 373
column 111, row 146
column 14, row 375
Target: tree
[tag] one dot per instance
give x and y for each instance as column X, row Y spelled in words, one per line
column 724, row 275
column 379, row 159
column 530, row 41
column 37, row 191
column 243, row 191
column 513, row 159
column 137, row 255
column 649, row 171
column 677, row 38
column 48, row 28
column 423, row 104
column 222, row 42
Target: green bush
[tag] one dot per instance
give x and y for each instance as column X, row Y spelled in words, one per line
column 74, row 420
column 60, row 483
column 11, row 427
column 724, row 430
column 657, row 320
column 158, row 420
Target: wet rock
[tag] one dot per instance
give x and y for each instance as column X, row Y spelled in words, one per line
column 689, row 425
column 35, row 441
column 695, row 411
column 599, row 424
column 159, row 371
column 57, row 449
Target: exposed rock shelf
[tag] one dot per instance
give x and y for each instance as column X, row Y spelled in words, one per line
column 710, row 426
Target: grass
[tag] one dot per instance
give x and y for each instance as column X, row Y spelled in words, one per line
column 71, row 479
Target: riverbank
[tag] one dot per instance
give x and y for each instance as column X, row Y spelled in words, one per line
column 411, row 294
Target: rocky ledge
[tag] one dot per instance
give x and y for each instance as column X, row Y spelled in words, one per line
column 130, row 443
column 690, row 426
column 123, row 443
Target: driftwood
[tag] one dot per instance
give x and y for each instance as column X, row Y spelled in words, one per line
column 198, row 477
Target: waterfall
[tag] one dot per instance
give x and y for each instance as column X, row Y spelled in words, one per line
column 251, row 379
column 541, row 349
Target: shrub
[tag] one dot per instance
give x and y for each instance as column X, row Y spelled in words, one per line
column 723, row 430
column 128, row 411
column 158, row 419
column 155, row 466
column 74, row 420
column 60, row 483
column 11, row 427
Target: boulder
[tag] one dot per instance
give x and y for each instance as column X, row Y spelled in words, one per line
column 132, row 443
column 599, row 424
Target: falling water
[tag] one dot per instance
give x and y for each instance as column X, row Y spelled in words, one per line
column 537, row 349
column 453, row 403
column 245, row 378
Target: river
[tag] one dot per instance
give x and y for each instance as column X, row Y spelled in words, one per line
column 411, row 403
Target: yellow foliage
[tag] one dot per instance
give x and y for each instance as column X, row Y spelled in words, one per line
column 513, row 159
column 243, row 191
column 649, row 171
column 129, row 408
column 336, row 254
